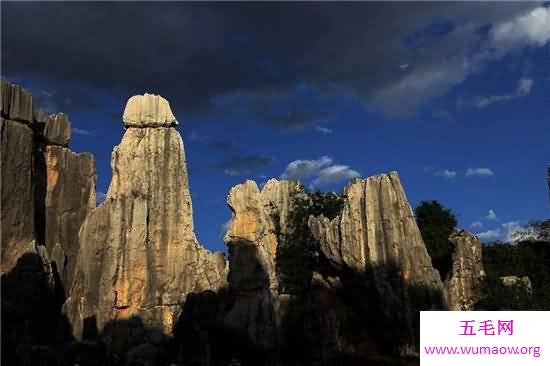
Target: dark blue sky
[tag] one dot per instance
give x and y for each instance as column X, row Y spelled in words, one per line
column 454, row 96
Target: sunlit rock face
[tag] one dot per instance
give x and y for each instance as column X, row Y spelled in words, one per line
column 69, row 196
column 138, row 252
column 148, row 110
column 376, row 236
column 463, row 287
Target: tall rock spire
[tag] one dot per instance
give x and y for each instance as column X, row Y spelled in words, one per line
column 139, row 255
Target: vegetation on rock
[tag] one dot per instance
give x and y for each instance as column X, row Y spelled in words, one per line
column 436, row 223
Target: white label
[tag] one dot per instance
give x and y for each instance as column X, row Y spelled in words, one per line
column 485, row 338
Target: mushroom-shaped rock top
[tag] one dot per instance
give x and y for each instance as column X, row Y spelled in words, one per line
column 148, row 110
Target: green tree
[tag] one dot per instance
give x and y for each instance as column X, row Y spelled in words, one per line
column 436, row 223
column 298, row 251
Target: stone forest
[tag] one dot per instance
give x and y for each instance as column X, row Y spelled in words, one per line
column 128, row 283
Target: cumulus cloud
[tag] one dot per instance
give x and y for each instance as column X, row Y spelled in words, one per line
column 507, row 232
column 476, row 225
column 489, row 235
column 491, row 215
column 480, row 172
column 532, row 27
column 303, row 169
column 322, row 170
column 334, row 174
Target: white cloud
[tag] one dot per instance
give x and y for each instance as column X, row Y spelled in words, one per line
column 445, row 174
column 480, row 172
column 303, row 169
column 530, row 28
column 231, row 172
column 491, row 215
column 335, row 173
column 322, row 170
column 524, row 86
column 508, row 232
column 471, row 51
column 323, row 130
column 489, row 235
column 509, row 229
column 80, row 131
column 522, row 90
column 476, row 225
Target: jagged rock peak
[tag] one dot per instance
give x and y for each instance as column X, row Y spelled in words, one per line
column 148, row 110
column 16, row 103
column 376, row 236
column 463, row 287
column 57, row 130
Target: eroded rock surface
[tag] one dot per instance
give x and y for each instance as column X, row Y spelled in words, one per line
column 377, row 236
column 258, row 223
column 17, row 214
column 138, row 252
column 57, row 130
column 463, row 287
column 70, row 195
column 148, row 110
column 16, row 103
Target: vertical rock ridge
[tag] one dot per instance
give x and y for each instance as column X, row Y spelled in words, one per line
column 150, row 257
column 463, row 287
column 376, row 236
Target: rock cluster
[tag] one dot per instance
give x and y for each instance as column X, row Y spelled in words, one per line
column 522, row 283
column 132, row 271
column 46, row 192
column 377, row 236
column 47, row 189
column 258, row 223
column 138, row 252
column 463, row 287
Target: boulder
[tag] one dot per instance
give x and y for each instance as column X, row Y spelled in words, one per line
column 148, row 110
column 57, row 130
column 523, row 283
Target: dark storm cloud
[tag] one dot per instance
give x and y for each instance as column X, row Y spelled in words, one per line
column 194, row 52
column 246, row 164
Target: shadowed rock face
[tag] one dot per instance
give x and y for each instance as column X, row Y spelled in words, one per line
column 17, row 213
column 259, row 220
column 138, row 252
column 376, row 236
column 463, row 287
